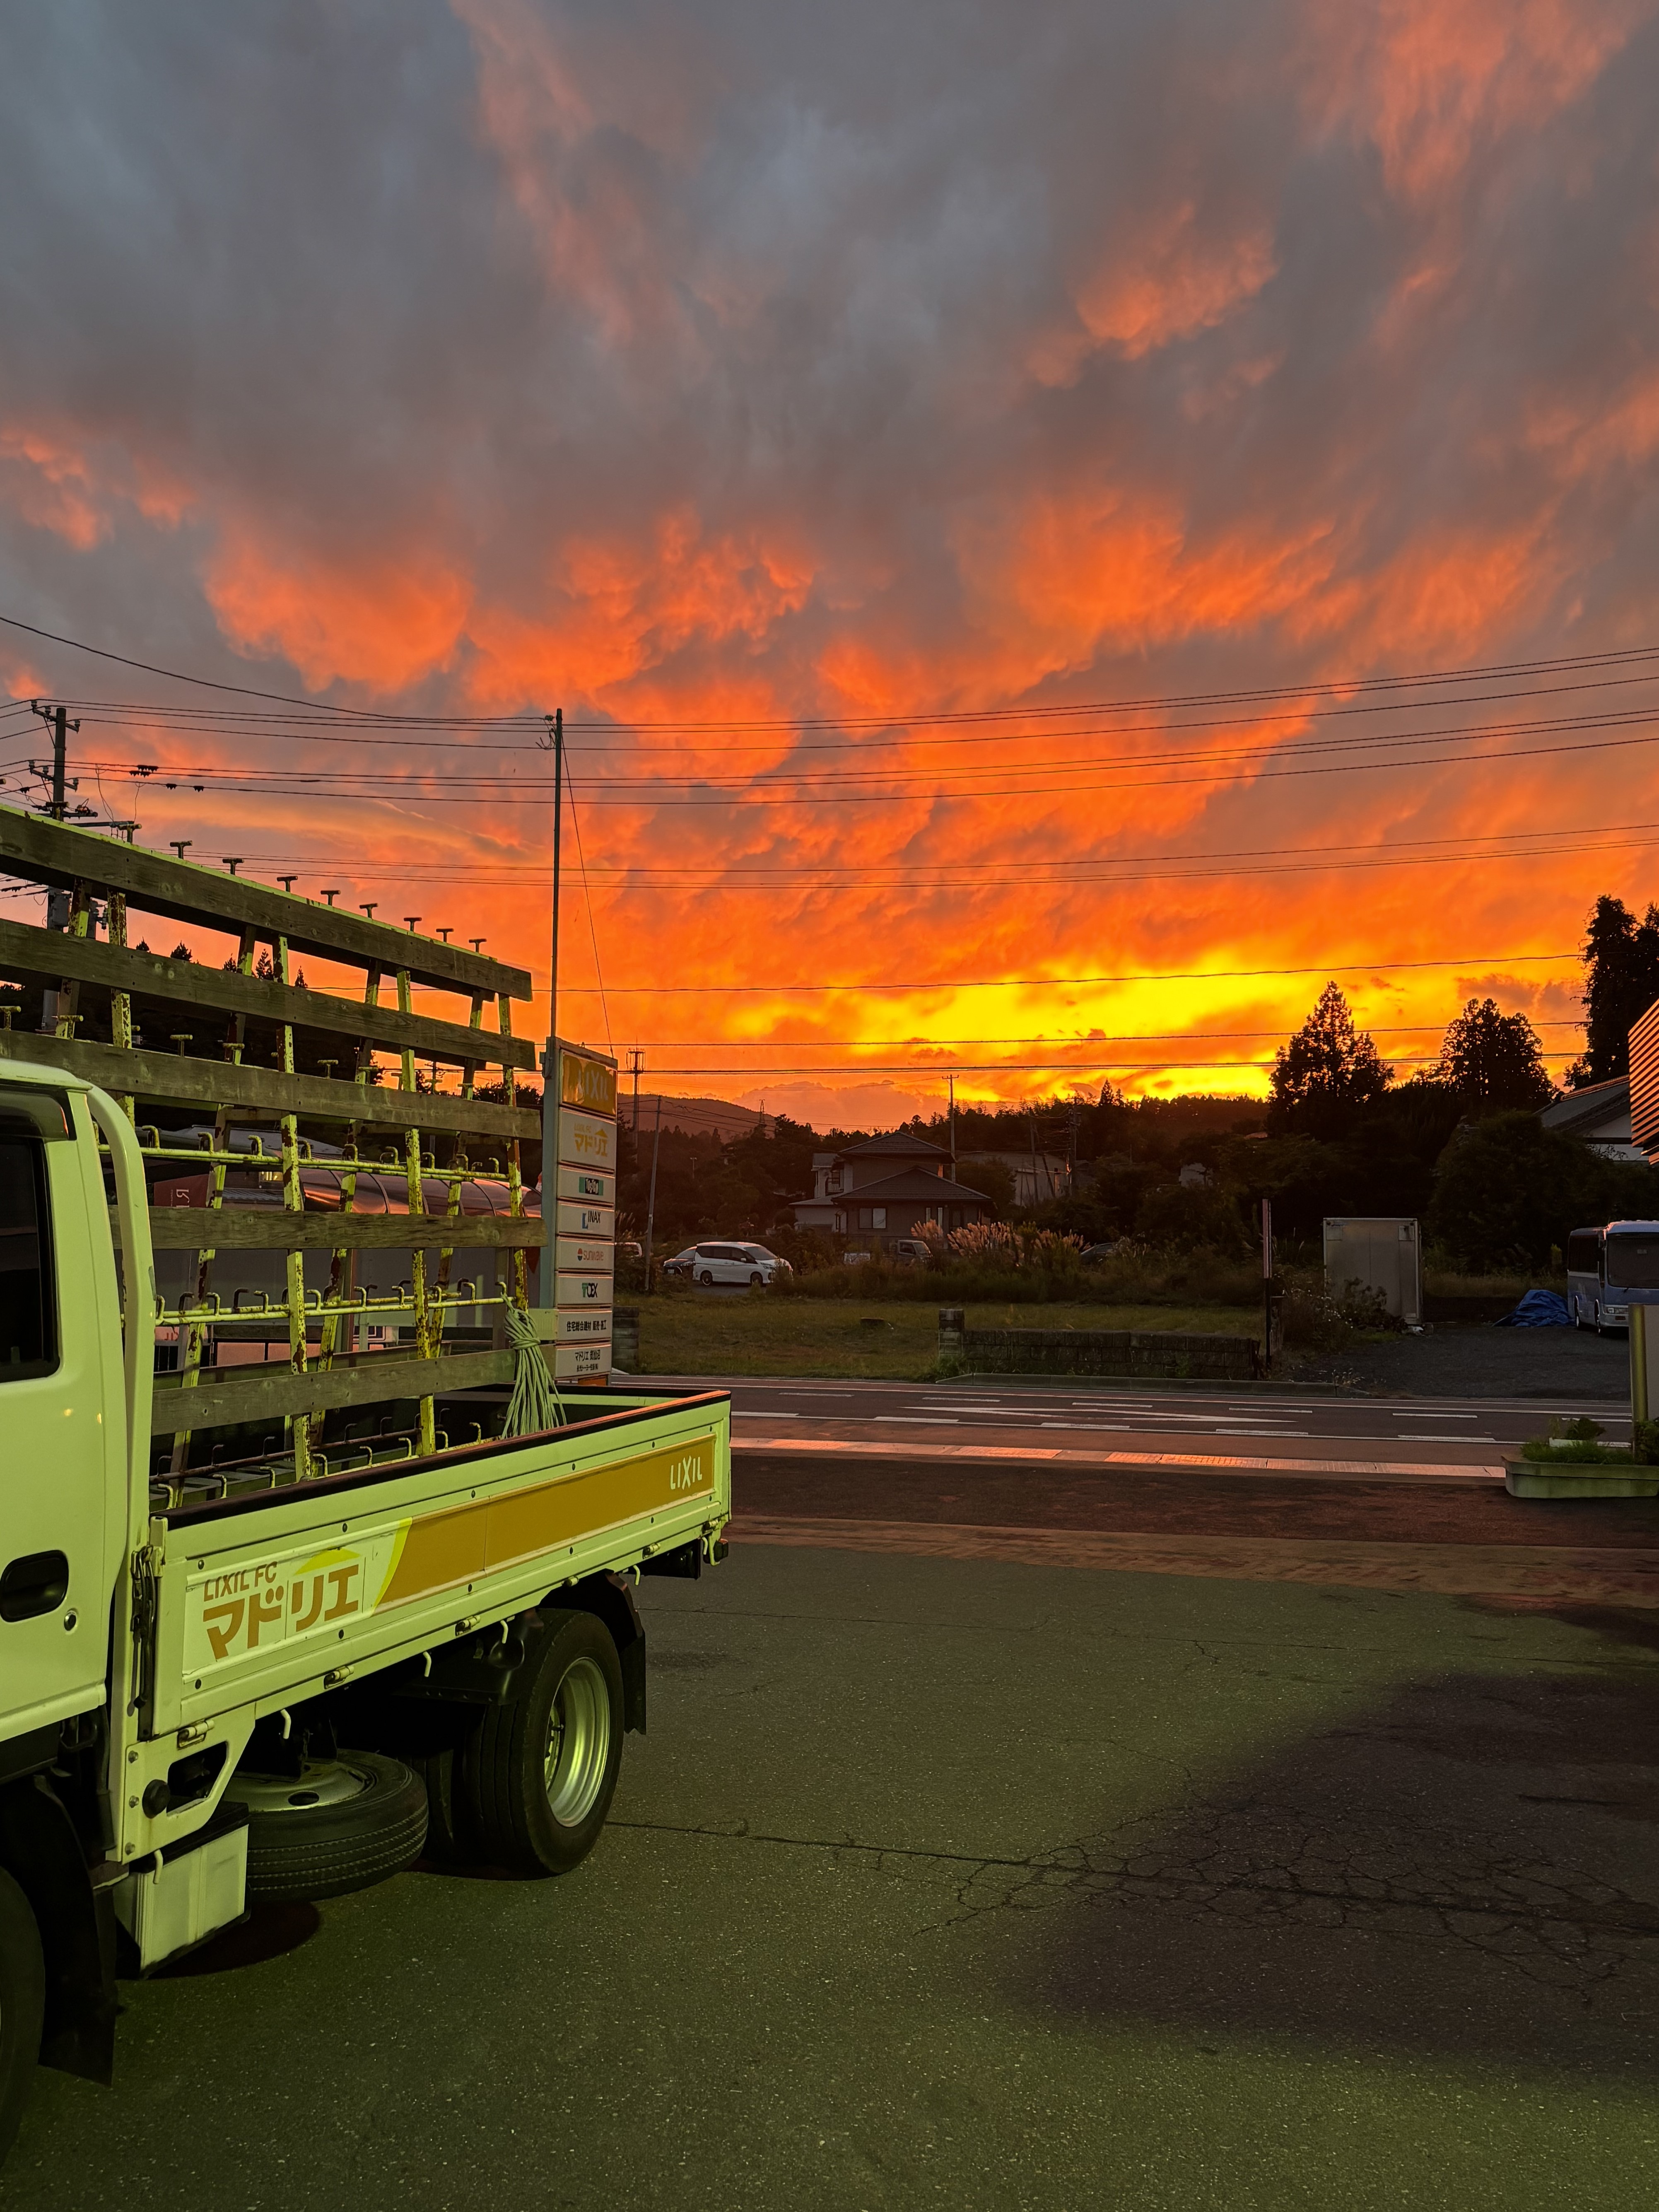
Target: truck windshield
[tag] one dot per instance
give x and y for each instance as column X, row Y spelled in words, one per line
column 1633, row 1263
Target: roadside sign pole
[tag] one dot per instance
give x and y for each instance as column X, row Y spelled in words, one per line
column 651, row 1203
column 548, row 1284
column 1267, row 1286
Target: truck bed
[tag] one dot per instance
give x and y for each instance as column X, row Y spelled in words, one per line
column 263, row 1600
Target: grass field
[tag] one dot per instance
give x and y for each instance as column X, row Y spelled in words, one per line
column 752, row 1334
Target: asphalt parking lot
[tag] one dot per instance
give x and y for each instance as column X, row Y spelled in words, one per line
column 974, row 1884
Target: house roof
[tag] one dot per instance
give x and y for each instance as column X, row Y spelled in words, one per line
column 925, row 1189
column 1576, row 1113
column 901, row 1145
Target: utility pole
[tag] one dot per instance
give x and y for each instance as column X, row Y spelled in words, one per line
column 636, row 1060
column 1270, row 1287
column 57, row 902
column 651, row 1202
column 951, row 1117
column 548, row 1284
column 59, row 760
column 58, row 721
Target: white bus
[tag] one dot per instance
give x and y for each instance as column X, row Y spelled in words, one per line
column 1610, row 1269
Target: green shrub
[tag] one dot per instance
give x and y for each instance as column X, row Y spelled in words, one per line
column 1577, row 1442
column 1310, row 1320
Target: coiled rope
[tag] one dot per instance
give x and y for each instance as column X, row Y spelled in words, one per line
column 535, row 1405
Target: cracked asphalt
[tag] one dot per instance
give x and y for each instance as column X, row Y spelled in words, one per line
column 941, row 1882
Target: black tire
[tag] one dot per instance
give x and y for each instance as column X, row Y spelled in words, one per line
column 542, row 1771
column 449, row 1839
column 342, row 1824
column 756, row 1281
column 707, row 1279
column 22, row 2006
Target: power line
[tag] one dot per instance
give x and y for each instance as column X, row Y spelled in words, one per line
column 937, row 1067
column 353, row 782
column 769, row 875
column 133, row 713
column 1115, row 1036
column 647, row 797
column 1635, row 655
column 968, row 877
column 1076, row 982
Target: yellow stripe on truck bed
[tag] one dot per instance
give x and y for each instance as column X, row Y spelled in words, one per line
column 472, row 1540
column 304, row 1591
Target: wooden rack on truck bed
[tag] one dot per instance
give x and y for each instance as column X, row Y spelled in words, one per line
column 254, row 1048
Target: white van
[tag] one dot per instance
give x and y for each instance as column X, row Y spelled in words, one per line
column 1610, row 1269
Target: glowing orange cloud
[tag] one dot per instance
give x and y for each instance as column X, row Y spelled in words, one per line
column 762, row 384
column 383, row 624
column 50, row 477
column 1432, row 86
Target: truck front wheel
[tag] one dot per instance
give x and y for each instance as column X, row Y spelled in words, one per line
column 22, row 2005
column 542, row 1770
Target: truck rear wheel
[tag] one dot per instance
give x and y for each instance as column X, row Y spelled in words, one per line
column 542, row 1770
column 339, row 1825
column 22, row 2005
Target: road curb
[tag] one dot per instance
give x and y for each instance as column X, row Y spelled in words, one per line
column 1152, row 1463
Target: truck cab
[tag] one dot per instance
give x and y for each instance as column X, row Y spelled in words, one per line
column 62, row 1413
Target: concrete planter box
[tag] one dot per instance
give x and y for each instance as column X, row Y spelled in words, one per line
column 1537, row 1478
column 1147, row 1352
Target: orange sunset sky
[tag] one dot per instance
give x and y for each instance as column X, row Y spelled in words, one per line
column 964, row 471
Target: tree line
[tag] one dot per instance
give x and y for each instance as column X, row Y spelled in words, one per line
column 1456, row 1144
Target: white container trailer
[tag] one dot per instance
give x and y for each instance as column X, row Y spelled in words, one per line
column 1380, row 1252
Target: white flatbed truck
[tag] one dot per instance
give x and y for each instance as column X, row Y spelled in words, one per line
column 285, row 1672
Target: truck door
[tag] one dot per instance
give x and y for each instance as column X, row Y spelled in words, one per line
column 54, row 1610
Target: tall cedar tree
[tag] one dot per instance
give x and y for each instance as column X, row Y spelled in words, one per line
column 1327, row 1074
column 1493, row 1061
column 1622, row 958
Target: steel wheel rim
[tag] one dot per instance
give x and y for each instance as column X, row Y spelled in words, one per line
column 578, row 1742
column 320, row 1783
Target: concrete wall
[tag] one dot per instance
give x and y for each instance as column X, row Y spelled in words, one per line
column 1147, row 1352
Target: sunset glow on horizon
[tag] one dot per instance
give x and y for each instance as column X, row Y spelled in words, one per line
column 957, row 474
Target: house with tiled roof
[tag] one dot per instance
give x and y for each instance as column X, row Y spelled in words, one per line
column 883, row 1189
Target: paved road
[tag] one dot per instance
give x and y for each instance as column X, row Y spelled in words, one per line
column 980, row 1885
column 1195, row 1468
column 1077, row 1412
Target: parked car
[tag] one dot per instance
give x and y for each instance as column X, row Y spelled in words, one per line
column 910, row 1252
column 709, row 1264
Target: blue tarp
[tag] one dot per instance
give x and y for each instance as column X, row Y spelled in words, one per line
column 1537, row 1310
